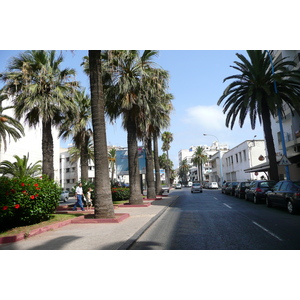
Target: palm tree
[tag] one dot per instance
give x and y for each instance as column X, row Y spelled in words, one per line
column 167, row 138
column 78, row 125
column 126, row 97
column 112, row 162
column 252, row 93
column 183, row 170
column 103, row 198
column 41, row 93
column 20, row 168
column 8, row 125
column 199, row 158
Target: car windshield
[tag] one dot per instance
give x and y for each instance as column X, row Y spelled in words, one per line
column 196, row 184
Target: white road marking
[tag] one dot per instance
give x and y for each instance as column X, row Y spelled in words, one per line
column 215, row 198
column 227, row 205
column 268, row 231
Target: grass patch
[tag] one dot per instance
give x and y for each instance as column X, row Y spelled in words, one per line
column 55, row 218
column 121, row 202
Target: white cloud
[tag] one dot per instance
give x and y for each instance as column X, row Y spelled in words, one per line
column 207, row 117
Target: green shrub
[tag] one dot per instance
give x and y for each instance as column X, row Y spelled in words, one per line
column 119, row 194
column 27, row 200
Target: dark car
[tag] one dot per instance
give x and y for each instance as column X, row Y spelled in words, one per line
column 240, row 189
column 224, row 186
column 285, row 193
column 230, row 189
column 257, row 190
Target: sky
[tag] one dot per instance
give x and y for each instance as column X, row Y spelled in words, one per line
column 196, row 83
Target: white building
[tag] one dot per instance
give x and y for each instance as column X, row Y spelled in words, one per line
column 246, row 155
column 206, row 168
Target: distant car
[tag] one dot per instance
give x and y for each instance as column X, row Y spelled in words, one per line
column 285, row 193
column 257, row 190
column 240, row 189
column 224, row 186
column 190, row 184
column 213, row 185
column 230, row 189
column 64, row 196
column 196, row 187
column 178, row 186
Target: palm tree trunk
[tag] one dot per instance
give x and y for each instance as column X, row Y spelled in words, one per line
column 103, row 199
column 151, row 194
column 133, row 164
column 273, row 172
column 84, row 160
column 156, row 163
column 47, row 149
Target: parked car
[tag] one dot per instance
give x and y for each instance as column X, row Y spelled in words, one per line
column 165, row 188
column 213, row 185
column 64, row 196
column 230, row 189
column 178, row 186
column 240, row 189
column 190, row 184
column 257, row 190
column 285, row 193
column 196, row 187
column 224, row 186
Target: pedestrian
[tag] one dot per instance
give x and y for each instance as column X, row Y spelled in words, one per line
column 79, row 197
column 89, row 202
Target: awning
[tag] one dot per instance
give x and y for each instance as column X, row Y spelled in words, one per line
column 259, row 168
column 265, row 166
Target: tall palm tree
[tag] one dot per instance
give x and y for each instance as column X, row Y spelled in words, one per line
column 199, row 158
column 9, row 127
column 103, row 198
column 125, row 98
column 20, row 168
column 112, row 162
column 252, row 93
column 78, row 125
column 183, row 170
column 167, row 138
column 41, row 93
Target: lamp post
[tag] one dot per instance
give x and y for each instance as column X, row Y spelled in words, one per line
column 221, row 170
column 287, row 170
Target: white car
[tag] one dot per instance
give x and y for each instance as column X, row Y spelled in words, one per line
column 196, row 187
column 213, row 185
column 64, row 196
column 178, row 186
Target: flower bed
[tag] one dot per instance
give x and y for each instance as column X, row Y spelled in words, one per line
column 120, row 194
column 27, row 201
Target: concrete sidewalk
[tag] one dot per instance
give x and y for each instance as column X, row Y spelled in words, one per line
column 99, row 236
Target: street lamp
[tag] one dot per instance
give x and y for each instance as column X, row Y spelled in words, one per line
column 287, row 170
column 221, row 170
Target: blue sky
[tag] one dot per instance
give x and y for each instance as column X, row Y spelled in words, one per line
column 196, row 82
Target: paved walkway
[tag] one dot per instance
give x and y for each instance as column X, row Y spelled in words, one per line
column 103, row 236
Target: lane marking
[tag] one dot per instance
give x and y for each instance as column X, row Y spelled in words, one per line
column 227, row 205
column 268, row 231
column 215, row 198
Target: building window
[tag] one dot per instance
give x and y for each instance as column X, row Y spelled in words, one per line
column 244, row 152
column 67, row 170
column 236, row 158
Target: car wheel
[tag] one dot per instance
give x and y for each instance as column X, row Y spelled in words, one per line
column 201, row 191
column 66, row 199
column 268, row 202
column 290, row 207
column 255, row 200
column 192, row 192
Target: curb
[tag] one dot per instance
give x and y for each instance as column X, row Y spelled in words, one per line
column 137, row 235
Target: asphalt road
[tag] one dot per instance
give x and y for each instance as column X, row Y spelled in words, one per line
column 214, row 221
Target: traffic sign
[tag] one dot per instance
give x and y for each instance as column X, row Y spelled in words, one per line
column 284, row 161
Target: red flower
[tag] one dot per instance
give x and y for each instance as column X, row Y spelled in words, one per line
column 5, row 207
column 13, row 191
column 38, row 188
column 24, row 192
column 32, row 197
column 17, row 206
column 36, row 195
column 7, row 193
column 36, row 184
column 22, row 184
